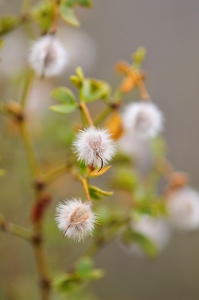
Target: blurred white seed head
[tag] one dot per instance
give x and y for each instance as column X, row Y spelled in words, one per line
column 155, row 229
column 75, row 219
column 47, row 56
column 94, row 146
column 137, row 149
column 143, row 119
column 183, row 209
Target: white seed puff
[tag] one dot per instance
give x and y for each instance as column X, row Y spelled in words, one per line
column 47, row 56
column 183, row 209
column 143, row 119
column 94, row 146
column 156, row 229
column 75, row 219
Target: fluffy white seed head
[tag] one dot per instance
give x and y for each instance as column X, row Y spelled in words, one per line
column 183, row 209
column 143, row 119
column 75, row 219
column 47, row 56
column 94, row 146
column 156, row 229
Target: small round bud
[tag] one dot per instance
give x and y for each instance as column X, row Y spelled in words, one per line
column 47, row 56
column 75, row 219
column 143, row 119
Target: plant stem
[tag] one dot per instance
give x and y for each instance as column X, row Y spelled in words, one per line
column 15, row 229
column 85, row 185
column 54, row 174
column 29, row 150
column 85, row 110
column 28, row 81
column 102, row 116
column 45, row 286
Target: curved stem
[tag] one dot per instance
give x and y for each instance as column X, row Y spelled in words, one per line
column 85, row 110
column 85, row 185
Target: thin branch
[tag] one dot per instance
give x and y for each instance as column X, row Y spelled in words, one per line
column 86, row 113
column 29, row 150
column 15, row 229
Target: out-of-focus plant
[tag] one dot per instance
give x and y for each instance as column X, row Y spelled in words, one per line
column 113, row 135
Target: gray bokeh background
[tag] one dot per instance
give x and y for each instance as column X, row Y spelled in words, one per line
column 169, row 30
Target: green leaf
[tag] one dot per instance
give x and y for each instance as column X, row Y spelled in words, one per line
column 93, row 90
column 64, row 282
column 75, row 81
column 64, row 108
column 64, row 95
column 68, row 15
column 138, row 57
column 1, row 43
column 144, row 242
column 85, row 271
column 42, row 14
column 8, row 23
column 83, row 168
column 96, row 192
column 84, row 3
column 80, row 73
column 84, row 267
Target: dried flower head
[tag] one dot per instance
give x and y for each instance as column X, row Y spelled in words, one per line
column 143, row 119
column 75, row 219
column 183, row 209
column 156, row 229
column 47, row 56
column 94, row 146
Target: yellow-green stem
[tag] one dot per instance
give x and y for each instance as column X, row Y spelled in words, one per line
column 27, row 84
column 29, row 150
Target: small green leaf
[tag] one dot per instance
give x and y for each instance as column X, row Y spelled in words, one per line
column 68, row 15
column 42, row 14
column 75, row 81
column 96, row 192
column 64, row 282
column 93, row 90
column 63, row 108
column 8, row 23
column 64, row 95
column 84, row 267
column 83, row 168
column 80, row 73
column 144, row 242
column 85, row 271
column 138, row 57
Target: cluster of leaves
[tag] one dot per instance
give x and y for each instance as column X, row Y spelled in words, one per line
column 42, row 14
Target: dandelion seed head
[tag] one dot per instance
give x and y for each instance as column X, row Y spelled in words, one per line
column 94, row 146
column 47, row 56
column 75, row 219
column 155, row 229
column 143, row 119
column 183, row 209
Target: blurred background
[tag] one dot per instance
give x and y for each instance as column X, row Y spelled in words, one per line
column 110, row 31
